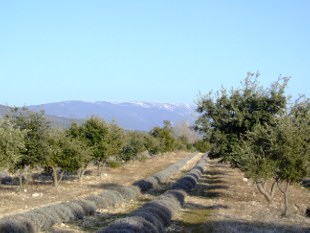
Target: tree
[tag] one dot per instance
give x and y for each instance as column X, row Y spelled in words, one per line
column 12, row 144
column 115, row 140
column 238, row 124
column 292, row 148
column 105, row 140
column 165, row 137
column 135, row 144
column 36, row 127
column 65, row 154
column 225, row 119
column 280, row 151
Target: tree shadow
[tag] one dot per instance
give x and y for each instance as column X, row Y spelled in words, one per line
column 235, row 226
column 306, row 183
column 190, row 205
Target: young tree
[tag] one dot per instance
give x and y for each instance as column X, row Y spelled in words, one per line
column 292, row 148
column 12, row 145
column 104, row 140
column 36, row 127
column 227, row 117
column 238, row 124
column 65, row 154
column 135, row 144
column 165, row 137
column 280, row 151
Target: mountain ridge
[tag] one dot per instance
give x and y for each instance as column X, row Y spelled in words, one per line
column 131, row 115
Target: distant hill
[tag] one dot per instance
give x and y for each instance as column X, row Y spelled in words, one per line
column 130, row 115
column 56, row 122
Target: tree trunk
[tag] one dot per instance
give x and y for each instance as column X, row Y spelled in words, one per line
column 100, row 168
column 20, row 180
column 55, row 177
column 268, row 195
column 285, row 197
column 273, row 188
column 81, row 173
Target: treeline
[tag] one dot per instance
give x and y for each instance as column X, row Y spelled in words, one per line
column 27, row 142
column 260, row 131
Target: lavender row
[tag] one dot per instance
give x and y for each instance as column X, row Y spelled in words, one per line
column 154, row 216
column 44, row 218
column 152, row 182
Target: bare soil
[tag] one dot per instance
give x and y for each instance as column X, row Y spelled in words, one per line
column 226, row 202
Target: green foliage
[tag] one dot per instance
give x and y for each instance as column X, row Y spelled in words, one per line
column 152, row 144
column 165, row 137
column 135, row 144
column 202, row 145
column 65, row 154
column 280, row 151
column 252, row 128
column 104, row 140
column 93, row 132
column 36, row 127
column 182, row 143
column 11, row 144
column 227, row 118
column 113, row 163
column 255, row 155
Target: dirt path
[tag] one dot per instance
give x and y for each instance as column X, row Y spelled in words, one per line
column 12, row 202
column 225, row 202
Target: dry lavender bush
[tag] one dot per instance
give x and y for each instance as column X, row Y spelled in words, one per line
column 154, row 216
column 162, row 176
column 44, row 218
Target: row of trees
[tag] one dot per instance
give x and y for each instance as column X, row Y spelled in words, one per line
column 27, row 142
column 257, row 130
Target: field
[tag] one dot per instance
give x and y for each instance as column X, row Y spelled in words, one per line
column 223, row 201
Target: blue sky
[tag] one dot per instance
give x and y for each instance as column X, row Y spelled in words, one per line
column 160, row 51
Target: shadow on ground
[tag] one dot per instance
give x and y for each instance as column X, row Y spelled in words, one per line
column 235, row 226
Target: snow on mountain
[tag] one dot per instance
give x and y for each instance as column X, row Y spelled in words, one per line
column 133, row 115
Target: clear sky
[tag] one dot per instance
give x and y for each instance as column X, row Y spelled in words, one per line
column 160, row 51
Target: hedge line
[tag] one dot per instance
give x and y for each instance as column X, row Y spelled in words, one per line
column 154, row 216
column 161, row 177
column 45, row 217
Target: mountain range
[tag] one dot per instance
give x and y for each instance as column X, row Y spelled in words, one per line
column 132, row 115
